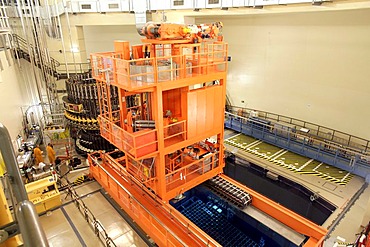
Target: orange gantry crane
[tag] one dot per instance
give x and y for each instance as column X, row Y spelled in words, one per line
column 169, row 128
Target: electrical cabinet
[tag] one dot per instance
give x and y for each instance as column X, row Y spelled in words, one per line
column 44, row 194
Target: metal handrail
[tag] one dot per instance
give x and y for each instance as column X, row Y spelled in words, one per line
column 90, row 218
column 22, row 44
column 28, row 220
column 335, row 135
column 191, row 227
column 55, row 65
column 96, row 162
column 311, row 139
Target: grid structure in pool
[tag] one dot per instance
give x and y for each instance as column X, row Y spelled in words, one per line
column 211, row 219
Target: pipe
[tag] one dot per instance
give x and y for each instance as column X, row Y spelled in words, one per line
column 62, row 39
column 29, row 224
column 11, row 165
column 30, row 227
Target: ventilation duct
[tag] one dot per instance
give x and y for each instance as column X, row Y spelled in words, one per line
column 142, row 16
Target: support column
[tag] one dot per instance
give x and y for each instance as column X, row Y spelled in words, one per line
column 160, row 160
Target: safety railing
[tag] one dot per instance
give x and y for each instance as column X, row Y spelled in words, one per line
column 191, row 171
column 134, row 207
column 137, row 144
column 143, row 170
column 145, row 72
column 54, row 67
column 73, row 68
column 175, row 131
column 90, row 218
column 102, row 65
column 22, row 44
column 173, row 161
column 264, row 126
column 357, row 144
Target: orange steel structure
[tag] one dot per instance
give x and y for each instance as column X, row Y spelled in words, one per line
column 170, row 127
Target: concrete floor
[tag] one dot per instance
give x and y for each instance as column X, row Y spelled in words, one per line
column 66, row 226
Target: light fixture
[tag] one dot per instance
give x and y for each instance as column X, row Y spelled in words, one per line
column 75, row 49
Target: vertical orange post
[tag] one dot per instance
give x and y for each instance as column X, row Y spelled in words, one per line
column 122, row 48
column 137, row 51
column 160, row 161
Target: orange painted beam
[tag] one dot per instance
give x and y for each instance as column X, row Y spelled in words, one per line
column 154, row 218
column 284, row 215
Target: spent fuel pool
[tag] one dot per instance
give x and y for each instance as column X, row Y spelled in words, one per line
column 225, row 223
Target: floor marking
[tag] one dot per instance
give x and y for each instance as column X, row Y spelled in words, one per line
column 281, row 150
column 252, row 143
column 345, row 178
column 73, row 227
column 234, row 136
column 282, row 153
column 304, row 165
column 314, row 169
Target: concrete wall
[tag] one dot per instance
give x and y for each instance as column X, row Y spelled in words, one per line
column 309, row 63
column 107, row 35
column 14, row 93
column 311, row 66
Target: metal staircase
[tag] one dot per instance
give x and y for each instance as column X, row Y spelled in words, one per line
column 49, row 64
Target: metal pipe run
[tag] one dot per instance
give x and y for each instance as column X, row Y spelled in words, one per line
column 29, row 224
column 30, row 227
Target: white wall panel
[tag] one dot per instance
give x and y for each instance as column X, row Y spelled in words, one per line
column 213, row 3
column 101, row 38
column 294, row 1
column 139, row 5
column 199, row 4
column 14, row 94
column 160, row 5
column 88, row 6
column 239, row 3
column 265, row 2
column 125, row 5
column 187, row 4
column 73, row 6
column 249, row 3
column 311, row 66
column 227, row 3
column 110, row 6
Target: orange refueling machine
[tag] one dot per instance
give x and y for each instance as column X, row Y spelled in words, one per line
column 169, row 129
